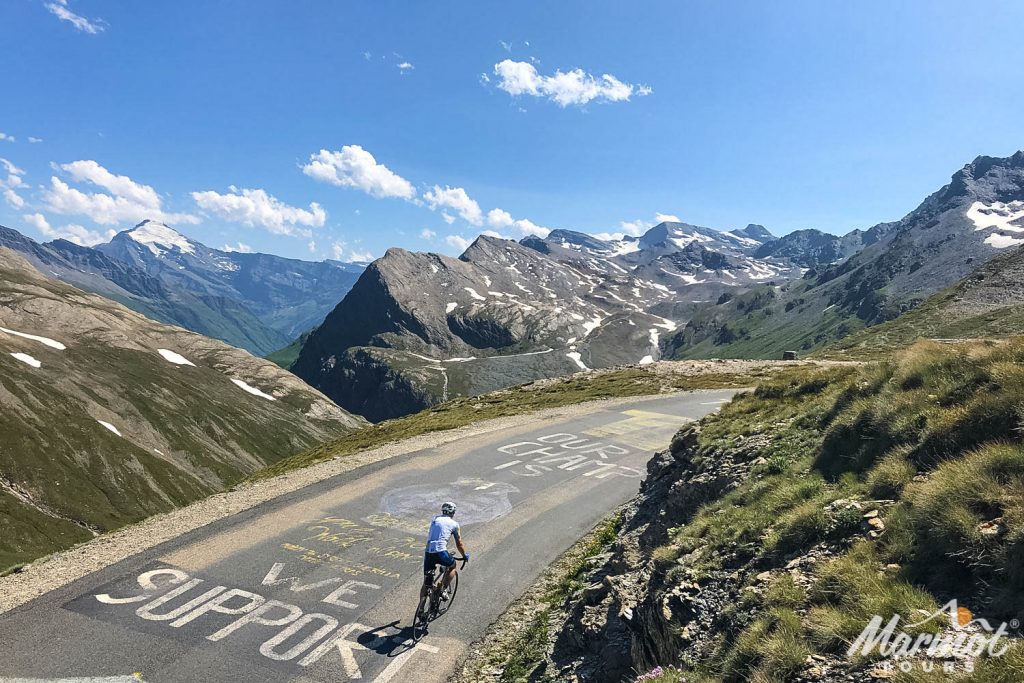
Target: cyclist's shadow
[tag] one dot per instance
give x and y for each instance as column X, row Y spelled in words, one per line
column 389, row 640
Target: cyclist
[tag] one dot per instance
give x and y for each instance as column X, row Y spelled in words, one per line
column 442, row 528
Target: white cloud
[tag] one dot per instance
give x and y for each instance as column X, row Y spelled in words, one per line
column 339, row 247
column 563, row 87
column 459, row 242
column 104, row 209
column 528, row 227
column 72, row 232
column 13, row 198
column 353, row 166
column 637, row 227
column 59, row 8
column 311, row 246
column 367, row 56
column 37, row 221
column 405, row 66
column 338, row 250
column 240, row 248
column 427, row 234
column 505, row 46
column 501, row 219
column 456, row 199
column 14, row 174
column 13, row 180
column 34, row 140
column 256, row 207
column 128, row 200
column 7, row 138
column 448, row 218
column 119, row 185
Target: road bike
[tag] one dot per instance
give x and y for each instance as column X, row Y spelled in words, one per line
column 436, row 603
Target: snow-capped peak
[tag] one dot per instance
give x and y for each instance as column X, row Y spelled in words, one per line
column 158, row 238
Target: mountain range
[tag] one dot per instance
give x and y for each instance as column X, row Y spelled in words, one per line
column 108, row 416
column 258, row 302
column 413, row 329
column 417, row 328
column 955, row 231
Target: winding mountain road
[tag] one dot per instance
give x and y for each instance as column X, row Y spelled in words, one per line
column 320, row 584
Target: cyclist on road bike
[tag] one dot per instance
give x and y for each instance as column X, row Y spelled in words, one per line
column 442, row 528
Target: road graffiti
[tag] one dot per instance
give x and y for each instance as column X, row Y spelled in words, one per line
column 479, row 501
column 565, row 452
column 340, row 586
column 279, row 631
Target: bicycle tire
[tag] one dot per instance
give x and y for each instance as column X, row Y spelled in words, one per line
column 419, row 624
column 446, row 604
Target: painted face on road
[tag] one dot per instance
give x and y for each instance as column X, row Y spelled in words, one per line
column 479, row 501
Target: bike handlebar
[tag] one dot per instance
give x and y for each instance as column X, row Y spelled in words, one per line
column 464, row 559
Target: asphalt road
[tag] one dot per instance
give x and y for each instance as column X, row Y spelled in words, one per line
column 321, row 584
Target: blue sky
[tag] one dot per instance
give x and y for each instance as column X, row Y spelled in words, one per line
column 439, row 121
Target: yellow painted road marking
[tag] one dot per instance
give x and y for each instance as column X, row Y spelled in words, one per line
column 643, row 429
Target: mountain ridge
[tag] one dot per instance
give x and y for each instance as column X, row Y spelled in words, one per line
column 950, row 234
column 151, row 416
column 417, row 328
column 259, row 302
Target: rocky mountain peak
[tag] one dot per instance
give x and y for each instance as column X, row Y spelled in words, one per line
column 987, row 179
column 757, row 232
column 159, row 238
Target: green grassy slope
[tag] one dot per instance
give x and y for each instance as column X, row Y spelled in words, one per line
column 285, row 357
column 186, row 431
column 928, row 445
column 989, row 304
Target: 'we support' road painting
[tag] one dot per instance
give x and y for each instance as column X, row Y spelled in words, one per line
column 301, row 608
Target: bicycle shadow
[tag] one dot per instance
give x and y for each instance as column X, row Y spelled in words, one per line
column 389, row 640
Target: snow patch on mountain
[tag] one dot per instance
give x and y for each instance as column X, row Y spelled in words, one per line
column 25, row 358
column 1001, row 241
column 578, row 359
column 111, row 427
column 998, row 215
column 159, row 239
column 42, row 340
column 251, row 389
column 176, row 358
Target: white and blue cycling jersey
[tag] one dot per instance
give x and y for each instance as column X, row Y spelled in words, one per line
column 441, row 529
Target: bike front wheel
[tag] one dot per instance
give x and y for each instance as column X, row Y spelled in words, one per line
column 419, row 623
column 453, row 587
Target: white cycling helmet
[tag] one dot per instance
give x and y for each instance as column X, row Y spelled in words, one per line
column 448, row 508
